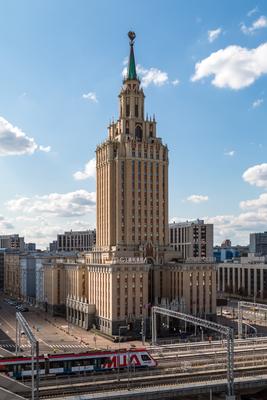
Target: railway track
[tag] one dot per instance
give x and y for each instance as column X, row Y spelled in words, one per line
column 141, row 382
column 176, row 364
column 103, row 385
column 171, row 363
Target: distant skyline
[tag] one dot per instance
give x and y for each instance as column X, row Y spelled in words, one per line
column 204, row 73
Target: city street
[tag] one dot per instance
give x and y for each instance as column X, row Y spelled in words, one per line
column 54, row 334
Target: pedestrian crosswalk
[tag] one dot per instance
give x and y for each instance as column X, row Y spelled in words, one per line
column 12, row 346
column 70, row 346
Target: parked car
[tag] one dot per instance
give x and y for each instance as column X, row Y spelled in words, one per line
column 23, row 309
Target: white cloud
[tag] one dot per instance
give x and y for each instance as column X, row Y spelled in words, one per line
column 260, row 202
column 13, row 141
column 234, row 67
column 238, row 227
column 230, row 153
column 197, row 198
column 150, row 76
column 175, row 82
column 253, row 215
column 260, row 23
column 89, row 171
column 252, row 11
column 214, row 34
column 45, row 149
column 257, row 103
column 256, row 175
column 90, row 96
column 69, row 204
column 5, row 224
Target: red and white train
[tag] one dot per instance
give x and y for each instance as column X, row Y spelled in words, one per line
column 17, row 367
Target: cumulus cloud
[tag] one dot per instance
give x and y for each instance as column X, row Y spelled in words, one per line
column 13, row 141
column 197, row 198
column 45, row 149
column 5, row 224
column 89, row 171
column 214, row 34
column 238, row 227
column 69, row 204
column 260, row 202
column 256, row 175
column 260, row 23
column 253, row 215
column 257, row 103
column 90, row 96
column 150, row 76
column 234, row 67
column 230, row 153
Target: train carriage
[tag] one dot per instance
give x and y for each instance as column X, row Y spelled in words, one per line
column 55, row 364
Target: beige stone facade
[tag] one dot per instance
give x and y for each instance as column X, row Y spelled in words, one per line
column 132, row 265
column 12, row 274
column 57, row 282
column 193, row 285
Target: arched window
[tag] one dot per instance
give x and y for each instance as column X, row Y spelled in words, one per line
column 138, row 133
column 136, row 107
column 127, row 107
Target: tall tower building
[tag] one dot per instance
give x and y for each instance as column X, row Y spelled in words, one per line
column 132, row 212
column 132, row 265
column 132, row 178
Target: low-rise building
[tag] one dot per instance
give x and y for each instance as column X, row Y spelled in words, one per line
column 246, row 278
column 193, row 239
column 258, row 243
column 225, row 254
column 79, row 241
column 27, row 278
column 32, row 277
column 2, row 268
column 30, row 247
column 127, row 290
column 12, row 242
column 12, row 273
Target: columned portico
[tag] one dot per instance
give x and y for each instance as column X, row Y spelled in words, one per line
column 80, row 313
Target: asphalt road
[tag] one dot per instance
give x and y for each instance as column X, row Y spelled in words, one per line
column 54, row 334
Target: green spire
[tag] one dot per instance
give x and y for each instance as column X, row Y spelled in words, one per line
column 131, row 73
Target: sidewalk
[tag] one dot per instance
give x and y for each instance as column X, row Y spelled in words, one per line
column 92, row 340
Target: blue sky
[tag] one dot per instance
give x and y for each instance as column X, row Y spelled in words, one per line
column 204, row 71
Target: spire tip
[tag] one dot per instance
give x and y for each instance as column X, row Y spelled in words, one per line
column 131, row 36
